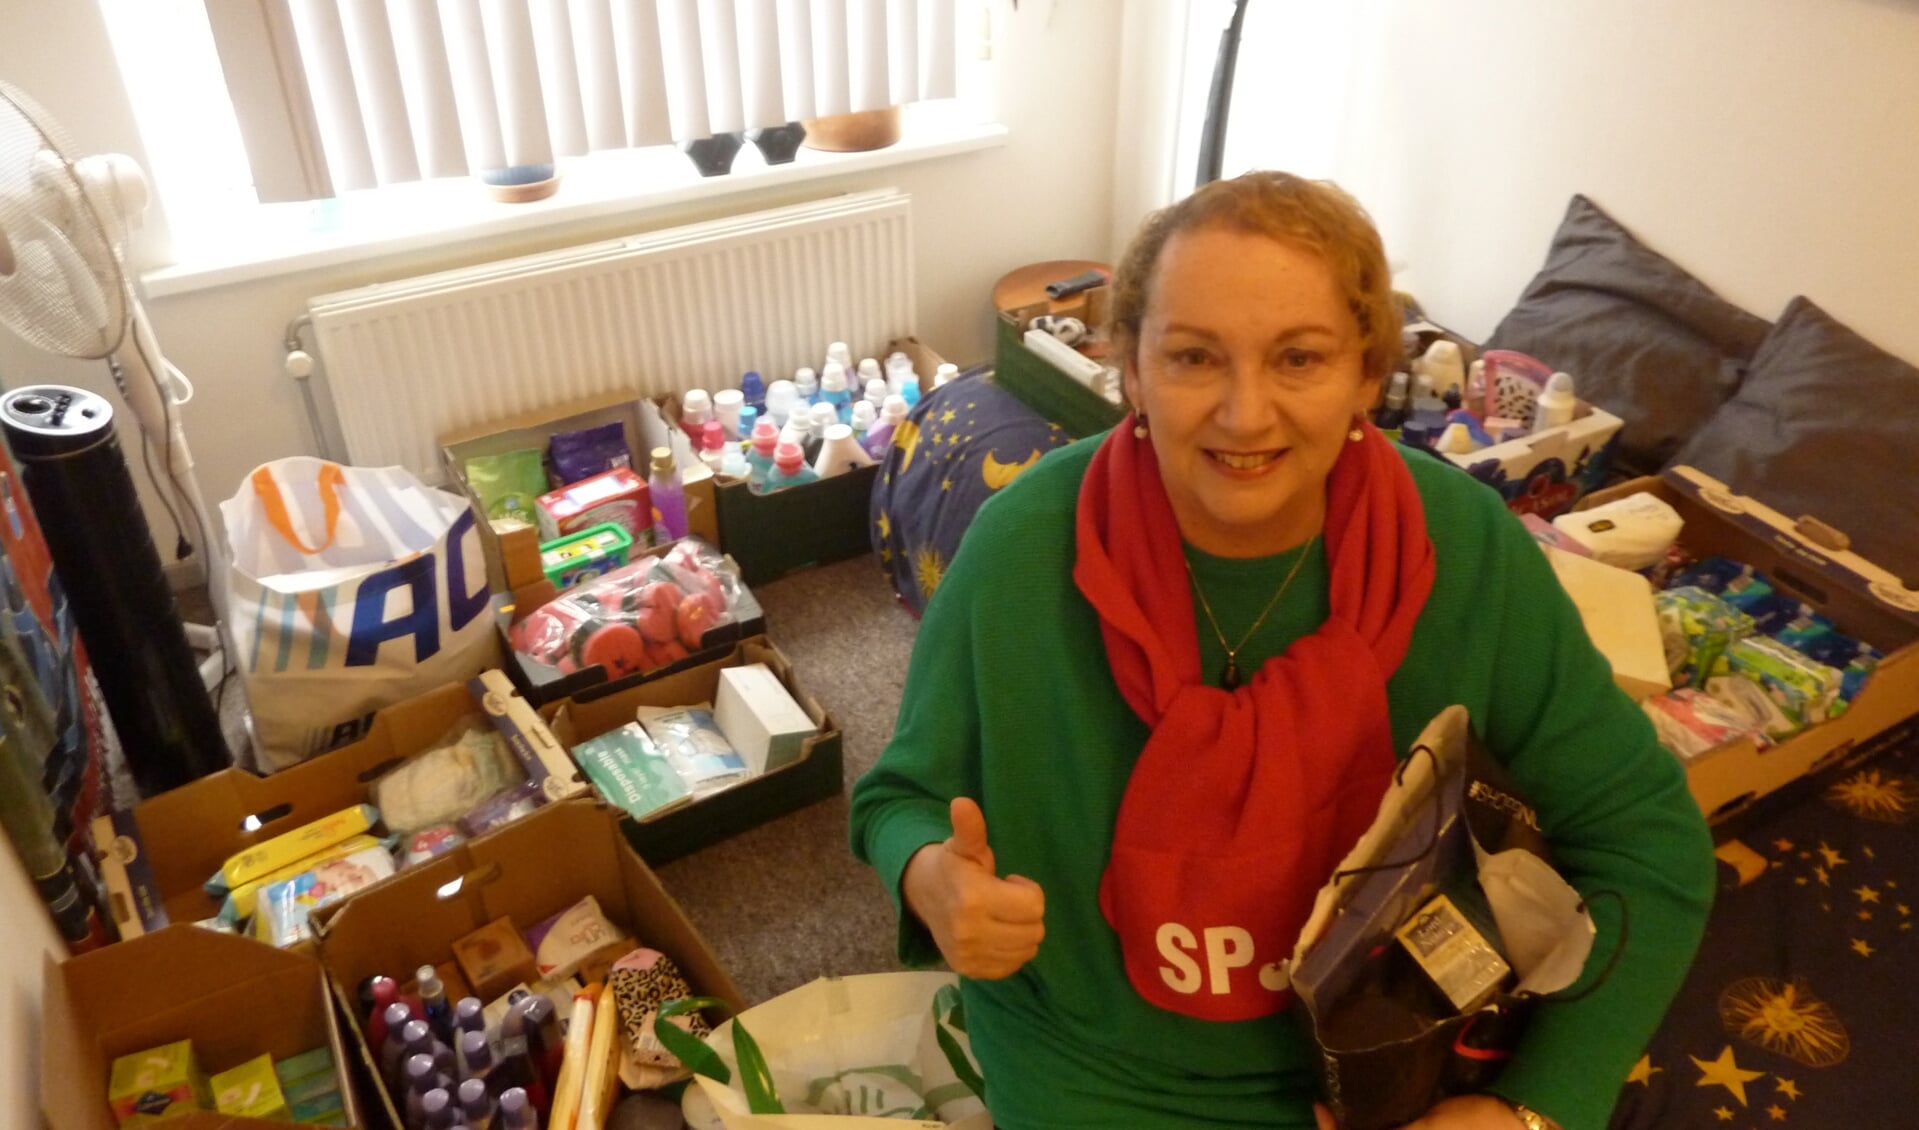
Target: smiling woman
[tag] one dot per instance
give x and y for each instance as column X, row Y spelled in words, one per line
column 1163, row 802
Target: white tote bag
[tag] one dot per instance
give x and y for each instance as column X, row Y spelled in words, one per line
column 841, row 1053
column 351, row 588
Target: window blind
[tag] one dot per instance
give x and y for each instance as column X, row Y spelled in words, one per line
column 338, row 95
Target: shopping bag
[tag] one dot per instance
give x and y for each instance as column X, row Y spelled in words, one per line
column 880, row 1049
column 1450, row 824
column 350, row 588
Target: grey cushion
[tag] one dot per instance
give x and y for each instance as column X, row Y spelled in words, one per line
column 1642, row 338
column 1826, row 424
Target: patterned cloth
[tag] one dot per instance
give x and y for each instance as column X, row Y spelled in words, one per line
column 960, row 444
column 1799, row 1011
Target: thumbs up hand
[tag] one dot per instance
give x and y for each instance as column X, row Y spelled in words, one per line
column 985, row 926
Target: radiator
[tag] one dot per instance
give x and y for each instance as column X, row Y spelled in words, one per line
column 690, row 307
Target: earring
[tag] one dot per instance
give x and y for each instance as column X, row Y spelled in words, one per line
column 1358, row 433
column 1139, row 426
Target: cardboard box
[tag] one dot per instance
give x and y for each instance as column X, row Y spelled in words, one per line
column 1803, row 560
column 759, row 718
column 513, row 557
column 156, row 856
column 1545, row 473
column 618, row 497
column 668, row 835
column 771, row 535
column 528, row 872
column 234, row 998
column 1617, row 608
column 543, row 683
column 1074, row 406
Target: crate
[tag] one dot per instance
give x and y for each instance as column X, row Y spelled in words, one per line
column 1860, row 598
column 1080, row 410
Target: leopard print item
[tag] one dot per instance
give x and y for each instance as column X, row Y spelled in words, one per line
column 643, row 981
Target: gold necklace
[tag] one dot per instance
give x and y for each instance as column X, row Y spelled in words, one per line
column 1229, row 678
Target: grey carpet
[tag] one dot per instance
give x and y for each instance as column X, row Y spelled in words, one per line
column 786, row 902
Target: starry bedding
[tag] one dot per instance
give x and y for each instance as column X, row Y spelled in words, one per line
column 1800, row 1009
column 961, row 443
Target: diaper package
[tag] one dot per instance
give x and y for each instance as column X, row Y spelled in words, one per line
column 1632, row 533
column 1804, row 688
column 285, row 908
column 1690, row 722
column 1696, row 628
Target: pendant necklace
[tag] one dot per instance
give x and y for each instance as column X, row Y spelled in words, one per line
column 1229, row 678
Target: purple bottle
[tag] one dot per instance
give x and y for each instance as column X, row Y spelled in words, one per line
column 468, row 1016
column 477, row 1055
column 393, row 1050
column 437, row 1111
column 476, row 1105
column 516, row 1113
column 420, row 1078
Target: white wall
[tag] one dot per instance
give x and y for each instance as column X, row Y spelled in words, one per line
column 1765, row 145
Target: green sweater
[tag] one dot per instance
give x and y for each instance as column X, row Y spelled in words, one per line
column 1009, row 700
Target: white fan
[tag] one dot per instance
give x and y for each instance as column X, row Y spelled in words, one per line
column 65, row 289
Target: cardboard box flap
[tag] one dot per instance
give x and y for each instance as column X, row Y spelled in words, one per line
column 181, row 982
column 1811, row 570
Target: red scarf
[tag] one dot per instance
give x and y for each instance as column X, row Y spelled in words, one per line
column 1243, row 802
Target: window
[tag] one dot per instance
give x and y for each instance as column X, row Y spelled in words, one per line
column 363, row 120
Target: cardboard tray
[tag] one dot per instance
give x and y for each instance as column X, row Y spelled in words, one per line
column 1546, row 472
column 666, row 836
column 528, row 871
column 542, row 683
column 513, row 557
column 155, row 857
column 234, row 998
column 1805, row 560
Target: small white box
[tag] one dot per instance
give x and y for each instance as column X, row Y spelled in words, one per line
column 755, row 712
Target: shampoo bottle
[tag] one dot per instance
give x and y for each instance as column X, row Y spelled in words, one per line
column 1556, row 403
column 516, row 1111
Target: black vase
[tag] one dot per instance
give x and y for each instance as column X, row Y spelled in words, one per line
column 778, row 144
column 713, row 156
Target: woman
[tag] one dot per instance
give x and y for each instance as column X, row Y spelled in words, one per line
column 1163, row 684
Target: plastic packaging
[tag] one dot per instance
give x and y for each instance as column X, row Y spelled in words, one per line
column 946, row 372
column 865, row 415
column 638, row 618
column 838, row 352
column 726, row 411
column 693, row 742
column 582, row 454
column 1690, row 722
column 782, row 397
column 759, row 457
column 910, row 388
column 284, row 910
column 669, row 501
column 880, row 436
column 806, row 385
column 516, row 1111
column 1697, row 628
column 508, row 484
column 753, row 389
column 877, row 391
column 1805, row 689
column 834, row 393
column 696, row 408
column 469, row 763
column 712, row 445
column 1631, row 533
column 824, row 416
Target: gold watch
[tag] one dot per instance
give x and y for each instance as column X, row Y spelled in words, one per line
column 1532, row 1119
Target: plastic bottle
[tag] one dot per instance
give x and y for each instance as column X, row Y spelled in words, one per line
column 476, row 1106
column 696, row 408
column 733, row 462
column 712, row 444
column 477, row 1054
column 439, row 1012
column 726, row 409
column 516, row 1111
column 869, row 372
column 833, row 392
column 839, row 452
column 749, row 419
column 865, row 415
column 896, row 364
column 839, row 352
column 753, row 389
column 946, row 372
column 910, row 387
column 1556, row 403
column 393, row 1049
column 384, row 993
column 781, row 398
column 420, row 1078
column 824, row 417
column 806, row 383
column 876, row 393
column 669, row 502
column 469, row 1015
column 881, row 435
column 530, row 1055
column 759, row 458
column 437, row 1111
column 789, row 469
column 419, row 1041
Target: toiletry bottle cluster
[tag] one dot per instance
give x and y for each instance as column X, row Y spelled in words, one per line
column 1440, row 404
column 445, row 1069
column 820, row 423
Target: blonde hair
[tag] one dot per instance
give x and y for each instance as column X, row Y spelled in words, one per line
column 1318, row 215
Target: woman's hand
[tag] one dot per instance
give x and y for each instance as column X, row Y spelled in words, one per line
column 985, row 926
column 1462, row 1112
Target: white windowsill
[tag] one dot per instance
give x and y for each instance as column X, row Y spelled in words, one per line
column 286, row 239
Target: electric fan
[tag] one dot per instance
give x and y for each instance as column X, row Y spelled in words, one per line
column 64, row 289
